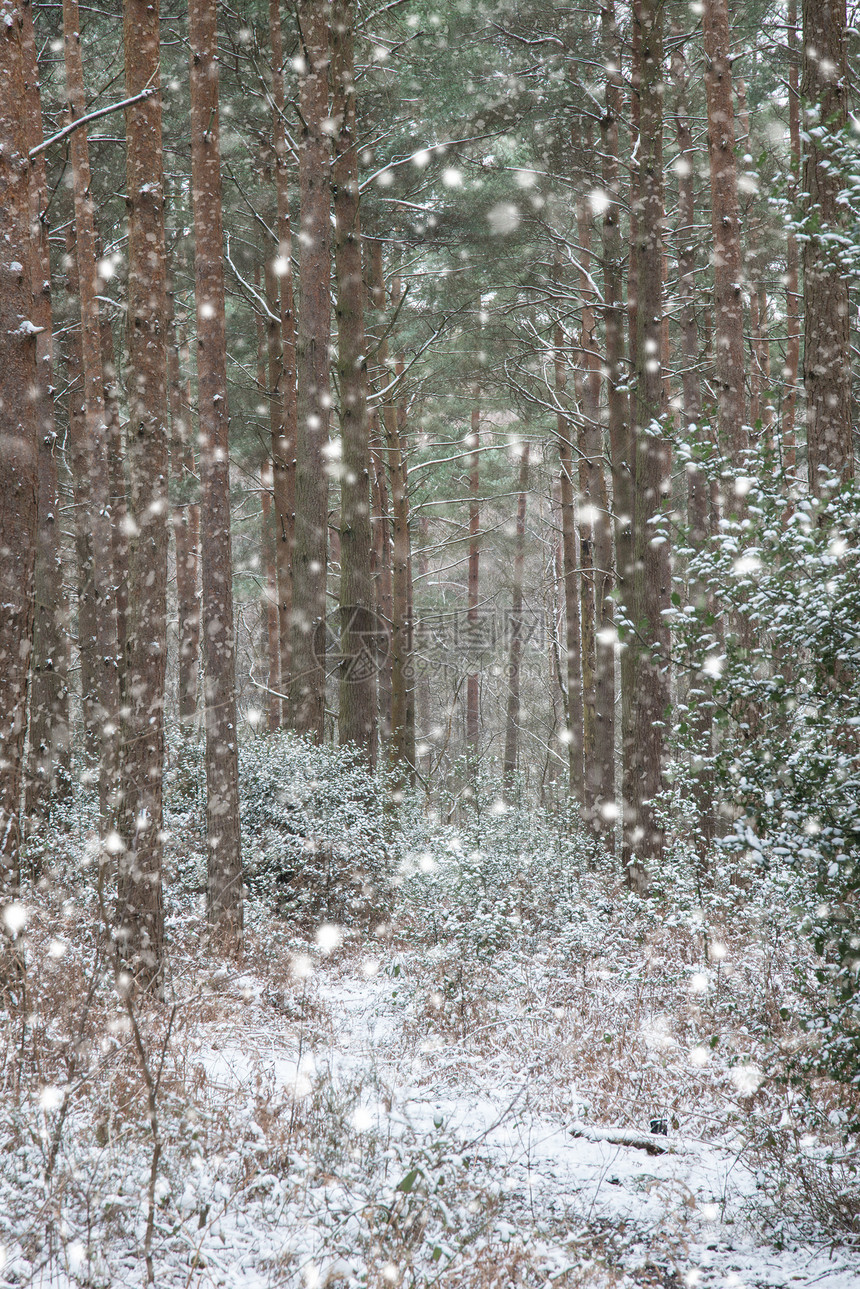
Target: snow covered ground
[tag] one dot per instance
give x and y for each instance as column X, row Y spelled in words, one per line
column 375, row 1114
column 578, row 1202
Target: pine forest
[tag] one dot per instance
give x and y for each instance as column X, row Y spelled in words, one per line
column 429, row 644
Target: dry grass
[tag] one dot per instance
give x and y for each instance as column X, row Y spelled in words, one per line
column 619, row 1027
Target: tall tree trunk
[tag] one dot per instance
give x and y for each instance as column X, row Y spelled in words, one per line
column 141, row 912
column 423, row 715
column 19, row 473
column 649, row 645
column 382, row 523
column 269, row 600
column 726, row 230
column 635, row 154
column 512, row 715
column 762, row 355
column 575, row 715
column 283, row 480
column 592, row 490
column 697, row 483
column 119, row 547
column 104, row 644
column 186, row 526
column 224, row 886
column 792, row 258
column 556, row 617
column 826, row 332
column 603, row 768
column 409, row 662
column 357, row 714
column 617, row 400
column 307, row 681
column 761, row 407
column 410, row 632
column 383, row 585
column 49, row 735
column 401, row 749
column 78, row 456
column 271, row 641
column 282, row 361
column 755, row 409
column 472, row 679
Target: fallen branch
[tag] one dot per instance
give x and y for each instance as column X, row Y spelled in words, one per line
column 653, row 1144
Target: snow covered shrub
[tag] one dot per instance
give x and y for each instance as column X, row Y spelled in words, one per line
column 315, row 827
column 839, row 242
column 497, row 880
column 783, row 687
column 55, row 847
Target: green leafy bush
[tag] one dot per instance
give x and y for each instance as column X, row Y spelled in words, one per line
column 315, row 831
column 499, row 878
column 783, row 688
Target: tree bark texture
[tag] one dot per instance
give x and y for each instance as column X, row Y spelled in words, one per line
column 635, row 113
column 104, row 642
column 382, row 523
column 826, row 337
column 596, row 607
column 282, row 360
column 18, row 447
column 617, row 399
column 283, row 481
column 472, row 590
column 791, row 370
column 141, row 912
column 271, row 641
column 78, row 458
column 358, row 646
column 405, row 525
column 383, row 589
column 401, row 748
column 726, row 230
column 49, row 735
column 185, row 515
column 512, row 714
column 649, row 641
column 573, row 642
column 620, row 441
column 119, row 550
column 224, row 886
column 697, row 483
column 307, row 680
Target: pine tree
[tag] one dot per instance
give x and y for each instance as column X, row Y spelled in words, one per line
column 225, row 899
column 307, row 679
column 726, row 229
column 648, row 641
column 282, row 360
column 357, row 712
column 49, row 736
column 102, row 646
column 826, row 338
column 140, row 900
column 18, row 476
column 512, row 714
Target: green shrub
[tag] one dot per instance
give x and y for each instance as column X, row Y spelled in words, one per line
column 783, row 686
column 315, row 825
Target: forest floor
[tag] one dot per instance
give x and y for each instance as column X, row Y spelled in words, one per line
column 375, row 1111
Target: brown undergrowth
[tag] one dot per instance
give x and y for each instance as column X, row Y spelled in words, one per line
column 642, row 1021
